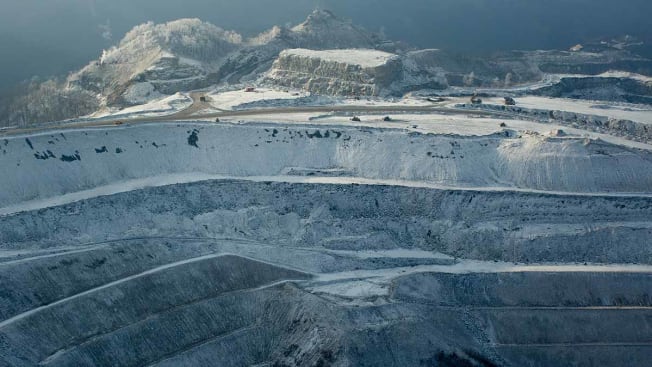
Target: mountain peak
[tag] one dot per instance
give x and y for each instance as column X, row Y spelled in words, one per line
column 321, row 19
column 177, row 33
column 321, row 15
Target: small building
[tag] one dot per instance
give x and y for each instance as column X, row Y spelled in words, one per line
column 509, row 101
column 202, row 99
column 250, row 89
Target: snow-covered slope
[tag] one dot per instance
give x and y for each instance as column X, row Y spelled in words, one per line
column 322, row 30
column 162, row 59
column 52, row 164
column 187, row 54
column 165, row 105
column 166, row 58
column 233, row 99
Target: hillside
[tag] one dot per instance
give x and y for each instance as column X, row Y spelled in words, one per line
column 156, row 60
column 182, row 55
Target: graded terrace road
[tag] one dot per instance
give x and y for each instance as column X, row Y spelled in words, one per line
column 193, row 112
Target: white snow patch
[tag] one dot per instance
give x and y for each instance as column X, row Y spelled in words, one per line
column 230, row 100
column 384, row 102
column 625, row 74
column 159, row 107
column 362, row 57
column 458, row 124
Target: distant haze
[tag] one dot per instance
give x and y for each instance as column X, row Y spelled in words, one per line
column 53, row 37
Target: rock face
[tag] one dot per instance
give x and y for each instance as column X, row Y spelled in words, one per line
column 352, row 72
column 469, row 71
column 520, row 67
column 336, row 72
column 346, row 72
column 619, row 89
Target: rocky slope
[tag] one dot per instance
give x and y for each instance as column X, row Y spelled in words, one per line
column 171, row 295
column 190, row 54
column 605, row 88
column 161, row 58
column 182, row 55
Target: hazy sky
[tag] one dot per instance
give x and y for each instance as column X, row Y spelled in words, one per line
column 47, row 37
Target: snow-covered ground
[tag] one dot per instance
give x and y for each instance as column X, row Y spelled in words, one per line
column 231, row 99
column 158, row 107
column 360, row 284
column 384, row 102
column 277, row 98
column 638, row 113
column 364, row 58
column 453, row 124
